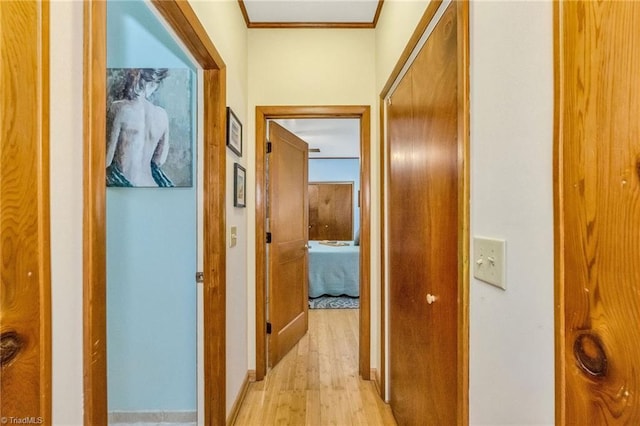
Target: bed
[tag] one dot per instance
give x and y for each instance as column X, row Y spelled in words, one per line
column 333, row 270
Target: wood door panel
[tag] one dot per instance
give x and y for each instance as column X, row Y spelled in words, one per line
column 314, row 217
column 289, row 298
column 288, row 256
column 598, row 212
column 25, row 349
column 331, row 211
column 423, row 233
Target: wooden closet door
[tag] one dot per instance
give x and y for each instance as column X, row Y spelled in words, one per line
column 25, row 319
column 597, row 213
column 423, row 233
column 331, row 211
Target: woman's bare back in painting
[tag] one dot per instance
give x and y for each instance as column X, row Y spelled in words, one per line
column 138, row 135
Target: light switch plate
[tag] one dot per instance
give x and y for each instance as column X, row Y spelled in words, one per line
column 233, row 236
column 489, row 262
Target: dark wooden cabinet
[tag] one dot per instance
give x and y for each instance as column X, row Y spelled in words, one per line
column 331, row 211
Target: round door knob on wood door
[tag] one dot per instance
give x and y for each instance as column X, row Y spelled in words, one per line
column 431, row 298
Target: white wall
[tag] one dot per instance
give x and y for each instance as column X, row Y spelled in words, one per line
column 66, row 210
column 311, row 67
column 226, row 28
column 511, row 347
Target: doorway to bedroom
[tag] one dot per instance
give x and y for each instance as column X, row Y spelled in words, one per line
column 334, row 209
column 338, row 140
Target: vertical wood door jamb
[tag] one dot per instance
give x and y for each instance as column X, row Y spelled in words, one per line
column 25, row 290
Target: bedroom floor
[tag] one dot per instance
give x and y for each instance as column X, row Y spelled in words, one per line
column 317, row 383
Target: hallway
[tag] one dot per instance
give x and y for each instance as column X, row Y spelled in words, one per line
column 317, row 383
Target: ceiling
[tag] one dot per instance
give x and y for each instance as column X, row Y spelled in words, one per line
column 311, row 13
column 335, row 137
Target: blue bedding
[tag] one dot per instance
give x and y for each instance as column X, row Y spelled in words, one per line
column 333, row 270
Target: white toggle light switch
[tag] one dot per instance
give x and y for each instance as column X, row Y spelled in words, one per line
column 233, row 236
column 489, row 261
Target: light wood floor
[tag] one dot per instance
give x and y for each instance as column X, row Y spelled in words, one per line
column 317, row 383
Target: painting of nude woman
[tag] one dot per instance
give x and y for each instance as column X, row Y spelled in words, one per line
column 149, row 127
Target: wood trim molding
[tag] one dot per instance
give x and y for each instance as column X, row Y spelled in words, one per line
column 297, row 25
column 365, row 245
column 25, row 212
column 245, row 14
column 185, row 24
column 215, row 156
column 45, row 215
column 383, row 254
column 263, row 113
column 316, row 25
column 261, row 241
column 464, row 215
column 94, row 216
column 558, row 225
column 334, row 158
column 378, row 12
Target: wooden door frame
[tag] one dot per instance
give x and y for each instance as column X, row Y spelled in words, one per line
column 558, row 240
column 462, row 386
column 183, row 21
column 363, row 113
column 29, row 260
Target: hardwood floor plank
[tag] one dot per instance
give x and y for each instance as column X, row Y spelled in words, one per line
column 358, row 416
column 244, row 416
column 313, row 407
column 318, row 383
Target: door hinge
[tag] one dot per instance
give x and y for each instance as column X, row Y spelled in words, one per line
column 269, row 147
column 268, row 237
column 268, row 328
column 199, row 277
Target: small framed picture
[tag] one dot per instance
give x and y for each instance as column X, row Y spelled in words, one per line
column 239, row 186
column 234, row 132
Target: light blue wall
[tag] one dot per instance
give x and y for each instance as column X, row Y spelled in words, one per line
column 338, row 170
column 151, row 253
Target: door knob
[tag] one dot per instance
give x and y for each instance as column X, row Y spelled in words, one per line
column 431, row 298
